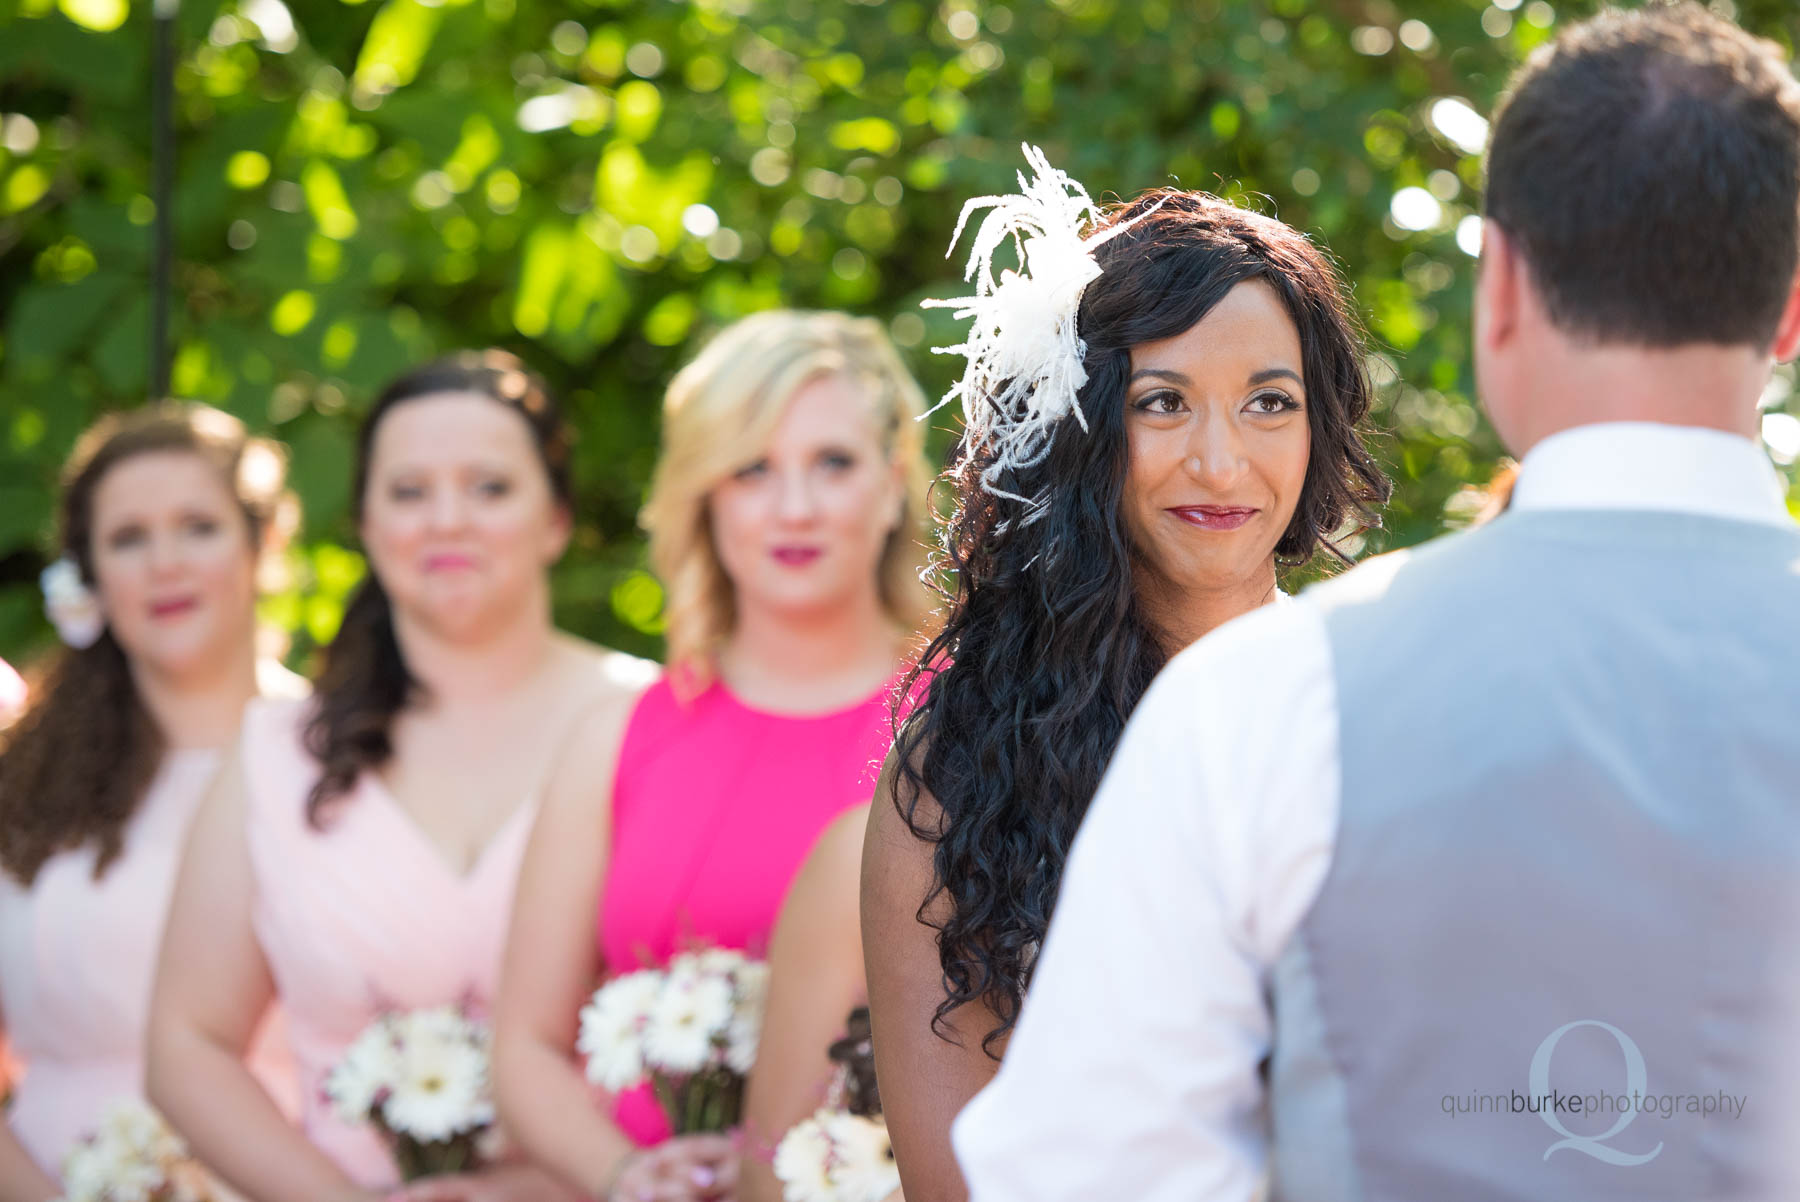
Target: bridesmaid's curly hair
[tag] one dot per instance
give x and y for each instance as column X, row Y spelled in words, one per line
column 1046, row 648
column 365, row 682
column 77, row 764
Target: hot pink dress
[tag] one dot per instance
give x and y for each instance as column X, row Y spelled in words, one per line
column 715, row 805
column 362, row 917
column 77, row 960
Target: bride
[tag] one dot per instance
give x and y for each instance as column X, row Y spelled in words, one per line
column 1216, row 389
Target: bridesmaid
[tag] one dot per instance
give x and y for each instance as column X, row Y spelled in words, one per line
column 360, row 852
column 166, row 513
column 784, row 521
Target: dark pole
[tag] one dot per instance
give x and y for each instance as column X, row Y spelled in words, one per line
column 162, row 168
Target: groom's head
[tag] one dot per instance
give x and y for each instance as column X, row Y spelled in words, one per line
column 1643, row 197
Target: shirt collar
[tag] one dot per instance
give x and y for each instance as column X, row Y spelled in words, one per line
column 1646, row 465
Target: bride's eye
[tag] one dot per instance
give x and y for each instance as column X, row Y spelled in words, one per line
column 1270, row 403
column 1163, row 402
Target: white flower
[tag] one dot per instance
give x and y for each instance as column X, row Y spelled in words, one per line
column 741, row 1040
column 837, row 1157
column 86, row 1172
column 1024, row 355
column 367, row 1071
column 423, row 1073
column 441, row 1093
column 745, row 1030
column 441, row 1086
column 713, row 962
column 752, row 981
column 863, row 1166
column 70, row 605
column 691, row 1017
column 803, row 1163
column 612, row 1029
column 131, row 1157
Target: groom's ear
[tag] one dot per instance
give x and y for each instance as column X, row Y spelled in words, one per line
column 1787, row 333
column 1498, row 286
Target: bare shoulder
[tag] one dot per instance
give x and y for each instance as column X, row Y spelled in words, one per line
column 897, row 860
column 599, row 694
column 836, row 858
column 275, row 683
column 901, row 810
column 604, row 672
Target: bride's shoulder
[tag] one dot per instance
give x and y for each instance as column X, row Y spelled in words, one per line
column 900, row 834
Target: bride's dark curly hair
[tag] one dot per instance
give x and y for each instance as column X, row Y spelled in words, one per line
column 1046, row 648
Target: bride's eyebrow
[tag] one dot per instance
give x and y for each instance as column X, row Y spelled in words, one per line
column 1173, row 377
column 1276, row 373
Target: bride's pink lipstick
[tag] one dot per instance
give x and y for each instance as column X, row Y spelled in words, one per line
column 173, row 607
column 795, row 557
column 1215, row 517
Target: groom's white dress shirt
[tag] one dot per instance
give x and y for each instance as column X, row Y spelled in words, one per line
column 1134, row 1070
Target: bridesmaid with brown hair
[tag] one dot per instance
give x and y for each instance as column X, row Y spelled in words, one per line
column 167, row 512
column 360, row 851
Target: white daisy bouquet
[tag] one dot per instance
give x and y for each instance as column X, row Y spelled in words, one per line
column 420, row 1078
column 689, row 1030
column 836, row 1156
column 842, row 1153
column 133, row 1157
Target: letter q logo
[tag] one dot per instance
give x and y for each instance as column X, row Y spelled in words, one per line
column 1635, row 1080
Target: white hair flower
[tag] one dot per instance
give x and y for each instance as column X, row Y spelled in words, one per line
column 1024, row 353
column 70, row 605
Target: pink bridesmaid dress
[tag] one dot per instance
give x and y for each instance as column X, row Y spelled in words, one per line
column 77, row 961
column 715, row 805
column 362, row 917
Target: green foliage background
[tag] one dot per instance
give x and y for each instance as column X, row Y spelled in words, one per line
column 364, row 184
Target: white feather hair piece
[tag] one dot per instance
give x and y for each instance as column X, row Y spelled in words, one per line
column 1024, row 355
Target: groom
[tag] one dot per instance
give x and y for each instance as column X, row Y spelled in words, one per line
column 1475, row 875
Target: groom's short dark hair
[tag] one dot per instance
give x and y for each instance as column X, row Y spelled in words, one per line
column 1647, row 166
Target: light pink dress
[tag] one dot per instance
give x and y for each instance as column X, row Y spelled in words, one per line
column 715, row 804
column 362, row 917
column 77, row 960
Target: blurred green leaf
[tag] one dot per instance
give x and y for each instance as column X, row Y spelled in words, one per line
column 601, row 186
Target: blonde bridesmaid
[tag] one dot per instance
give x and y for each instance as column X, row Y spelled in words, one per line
column 785, row 519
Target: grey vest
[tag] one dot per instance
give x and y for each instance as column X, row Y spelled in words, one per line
column 1571, row 795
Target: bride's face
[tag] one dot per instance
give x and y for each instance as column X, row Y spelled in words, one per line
column 1219, row 439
